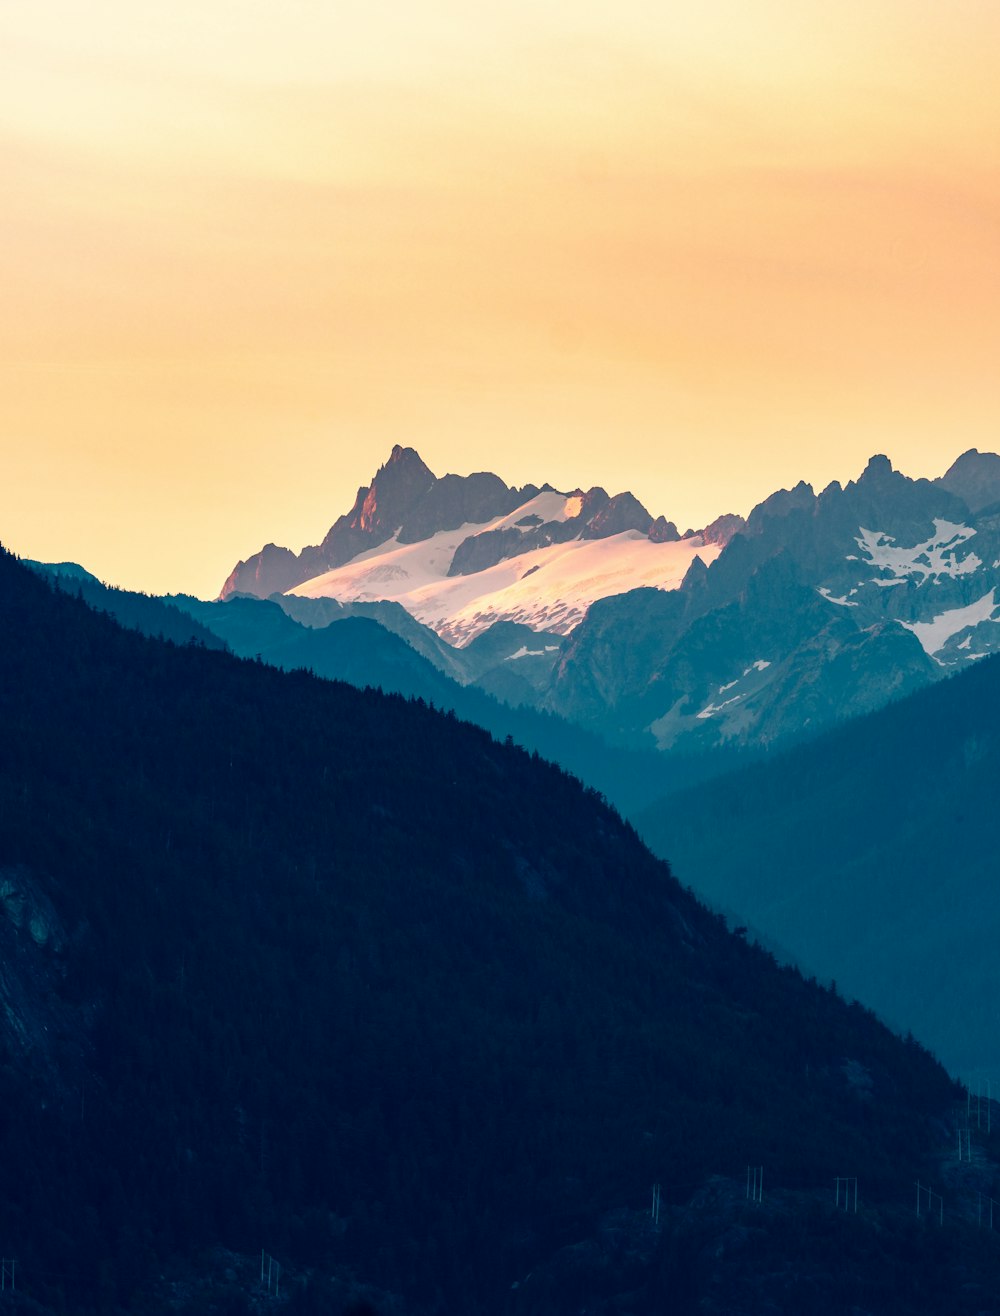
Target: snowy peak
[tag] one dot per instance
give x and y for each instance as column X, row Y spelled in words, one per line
column 405, row 499
column 820, row 608
column 556, row 518
column 464, row 552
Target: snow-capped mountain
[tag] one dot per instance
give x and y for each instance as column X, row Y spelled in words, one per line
column 824, row 607
column 463, row 553
column 817, row 608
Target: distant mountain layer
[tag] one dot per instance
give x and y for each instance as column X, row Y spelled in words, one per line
column 463, row 552
column 870, row 856
column 818, row 608
column 825, row 607
column 288, row 965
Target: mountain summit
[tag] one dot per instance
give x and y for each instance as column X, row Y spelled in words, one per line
column 404, row 497
column 462, row 552
column 975, row 478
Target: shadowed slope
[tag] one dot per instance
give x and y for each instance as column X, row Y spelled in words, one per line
column 341, row 975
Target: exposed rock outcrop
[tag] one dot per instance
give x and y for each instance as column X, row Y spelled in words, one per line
column 975, row 478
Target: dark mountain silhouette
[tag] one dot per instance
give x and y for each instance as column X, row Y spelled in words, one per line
column 294, row 966
column 382, row 646
column 140, row 612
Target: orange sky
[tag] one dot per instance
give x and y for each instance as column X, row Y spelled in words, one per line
column 695, row 250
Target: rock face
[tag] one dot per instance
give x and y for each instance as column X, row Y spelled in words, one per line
column 380, row 509
column 415, row 539
column 480, row 552
column 378, row 512
column 405, row 498
column 663, row 531
column 722, row 529
column 817, row 607
column 271, row 571
column 457, row 500
column 975, row 478
column 623, row 512
column 820, row 607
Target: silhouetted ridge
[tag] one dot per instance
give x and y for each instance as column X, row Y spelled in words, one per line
column 329, row 969
column 886, row 826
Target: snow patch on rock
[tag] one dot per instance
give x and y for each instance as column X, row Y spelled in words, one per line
column 935, row 557
column 935, row 634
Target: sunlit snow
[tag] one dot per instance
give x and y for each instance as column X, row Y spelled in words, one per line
column 547, row 588
column 549, row 506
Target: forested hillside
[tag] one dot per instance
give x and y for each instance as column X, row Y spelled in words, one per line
column 360, row 650
column 870, row 856
column 294, row 966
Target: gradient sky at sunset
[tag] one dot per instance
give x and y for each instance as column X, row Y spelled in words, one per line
column 697, row 250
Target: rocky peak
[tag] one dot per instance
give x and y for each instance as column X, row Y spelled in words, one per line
column 975, row 478
column 271, row 571
column 780, row 504
column 878, row 470
column 398, row 485
column 663, row 531
column 614, row 515
column 723, row 528
column 405, row 499
column 696, row 575
column 377, row 513
column 457, row 500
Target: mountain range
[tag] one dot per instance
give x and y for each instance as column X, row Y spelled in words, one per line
column 817, row 608
column 462, row 552
column 824, row 849
column 325, row 972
